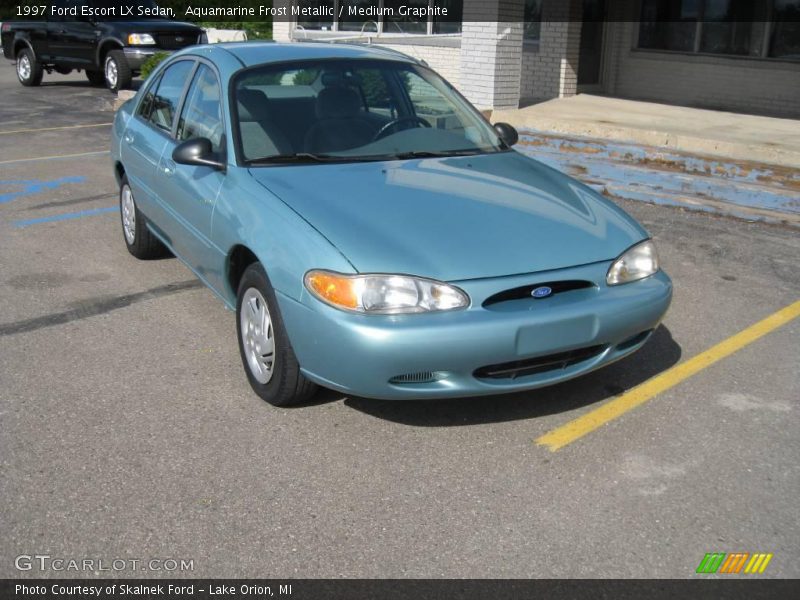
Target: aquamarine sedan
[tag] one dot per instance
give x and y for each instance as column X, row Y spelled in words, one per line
column 373, row 233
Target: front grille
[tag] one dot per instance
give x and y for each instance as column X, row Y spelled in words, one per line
column 175, row 41
column 525, row 291
column 540, row 364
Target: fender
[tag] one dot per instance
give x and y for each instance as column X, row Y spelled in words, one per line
column 21, row 36
column 108, row 41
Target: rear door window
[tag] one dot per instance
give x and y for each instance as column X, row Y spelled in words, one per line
column 159, row 106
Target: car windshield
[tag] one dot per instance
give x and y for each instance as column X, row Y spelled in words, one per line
column 353, row 110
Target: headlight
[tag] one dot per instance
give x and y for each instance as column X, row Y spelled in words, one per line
column 384, row 294
column 140, row 39
column 636, row 263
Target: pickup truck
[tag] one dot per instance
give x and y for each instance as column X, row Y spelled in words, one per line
column 108, row 40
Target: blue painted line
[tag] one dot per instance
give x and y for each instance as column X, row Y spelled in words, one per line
column 65, row 217
column 34, row 186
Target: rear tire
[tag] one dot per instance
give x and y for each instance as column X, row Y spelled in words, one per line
column 117, row 72
column 96, row 78
column 139, row 240
column 29, row 70
column 269, row 361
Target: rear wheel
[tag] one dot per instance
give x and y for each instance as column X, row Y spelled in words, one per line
column 118, row 74
column 29, row 70
column 139, row 239
column 96, row 77
column 269, row 361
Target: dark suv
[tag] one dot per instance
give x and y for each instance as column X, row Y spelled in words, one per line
column 108, row 40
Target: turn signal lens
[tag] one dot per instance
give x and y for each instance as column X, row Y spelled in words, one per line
column 384, row 294
column 636, row 263
column 333, row 289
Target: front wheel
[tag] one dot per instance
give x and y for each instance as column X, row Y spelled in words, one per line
column 29, row 70
column 269, row 361
column 117, row 72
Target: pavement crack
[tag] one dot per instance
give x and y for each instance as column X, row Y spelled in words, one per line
column 96, row 307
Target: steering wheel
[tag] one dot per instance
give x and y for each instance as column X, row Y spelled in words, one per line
column 392, row 124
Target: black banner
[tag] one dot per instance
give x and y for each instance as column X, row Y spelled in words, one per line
column 416, row 589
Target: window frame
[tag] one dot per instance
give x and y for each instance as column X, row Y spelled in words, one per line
column 185, row 97
column 158, row 77
column 763, row 55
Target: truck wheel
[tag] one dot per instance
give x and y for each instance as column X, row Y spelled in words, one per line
column 118, row 73
column 29, row 70
column 139, row 239
column 96, row 77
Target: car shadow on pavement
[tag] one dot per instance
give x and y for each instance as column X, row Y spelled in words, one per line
column 659, row 354
column 135, row 85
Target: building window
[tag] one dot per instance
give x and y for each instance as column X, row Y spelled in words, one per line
column 355, row 17
column 532, row 21
column 756, row 28
column 785, row 39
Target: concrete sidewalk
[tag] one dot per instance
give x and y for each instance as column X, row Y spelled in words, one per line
column 728, row 135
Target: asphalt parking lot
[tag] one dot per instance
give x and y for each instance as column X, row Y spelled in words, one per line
column 129, row 430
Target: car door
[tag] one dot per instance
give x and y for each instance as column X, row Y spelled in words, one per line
column 146, row 139
column 191, row 191
column 72, row 40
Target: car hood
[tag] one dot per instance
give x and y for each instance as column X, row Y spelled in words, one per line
column 456, row 218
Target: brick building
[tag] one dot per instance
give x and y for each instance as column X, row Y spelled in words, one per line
column 737, row 55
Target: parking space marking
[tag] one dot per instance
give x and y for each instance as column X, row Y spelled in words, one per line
column 57, row 156
column 566, row 434
column 55, row 128
column 65, row 216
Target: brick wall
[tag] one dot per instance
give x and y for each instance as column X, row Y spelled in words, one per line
column 722, row 83
column 444, row 60
column 550, row 70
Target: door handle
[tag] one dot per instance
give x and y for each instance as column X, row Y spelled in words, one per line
column 169, row 167
column 128, row 137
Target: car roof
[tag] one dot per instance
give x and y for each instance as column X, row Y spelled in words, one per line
column 257, row 53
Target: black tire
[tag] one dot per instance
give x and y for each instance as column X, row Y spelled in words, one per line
column 143, row 244
column 116, row 58
column 286, row 385
column 33, row 71
column 96, row 78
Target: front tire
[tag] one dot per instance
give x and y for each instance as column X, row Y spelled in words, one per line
column 118, row 74
column 269, row 361
column 29, row 70
column 139, row 240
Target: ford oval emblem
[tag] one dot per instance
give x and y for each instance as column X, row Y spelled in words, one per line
column 542, row 292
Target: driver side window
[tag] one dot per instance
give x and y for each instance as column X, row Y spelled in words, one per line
column 202, row 112
column 161, row 100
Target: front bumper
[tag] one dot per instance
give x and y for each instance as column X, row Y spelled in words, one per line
column 360, row 354
column 137, row 55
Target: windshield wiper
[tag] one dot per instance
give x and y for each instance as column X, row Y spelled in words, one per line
column 435, row 153
column 296, row 157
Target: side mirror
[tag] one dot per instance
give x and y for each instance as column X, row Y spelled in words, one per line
column 198, row 152
column 507, row 133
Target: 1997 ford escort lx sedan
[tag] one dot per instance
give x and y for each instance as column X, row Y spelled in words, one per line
column 373, row 233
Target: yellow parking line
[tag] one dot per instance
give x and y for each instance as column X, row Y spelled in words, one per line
column 577, row 428
column 55, row 128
